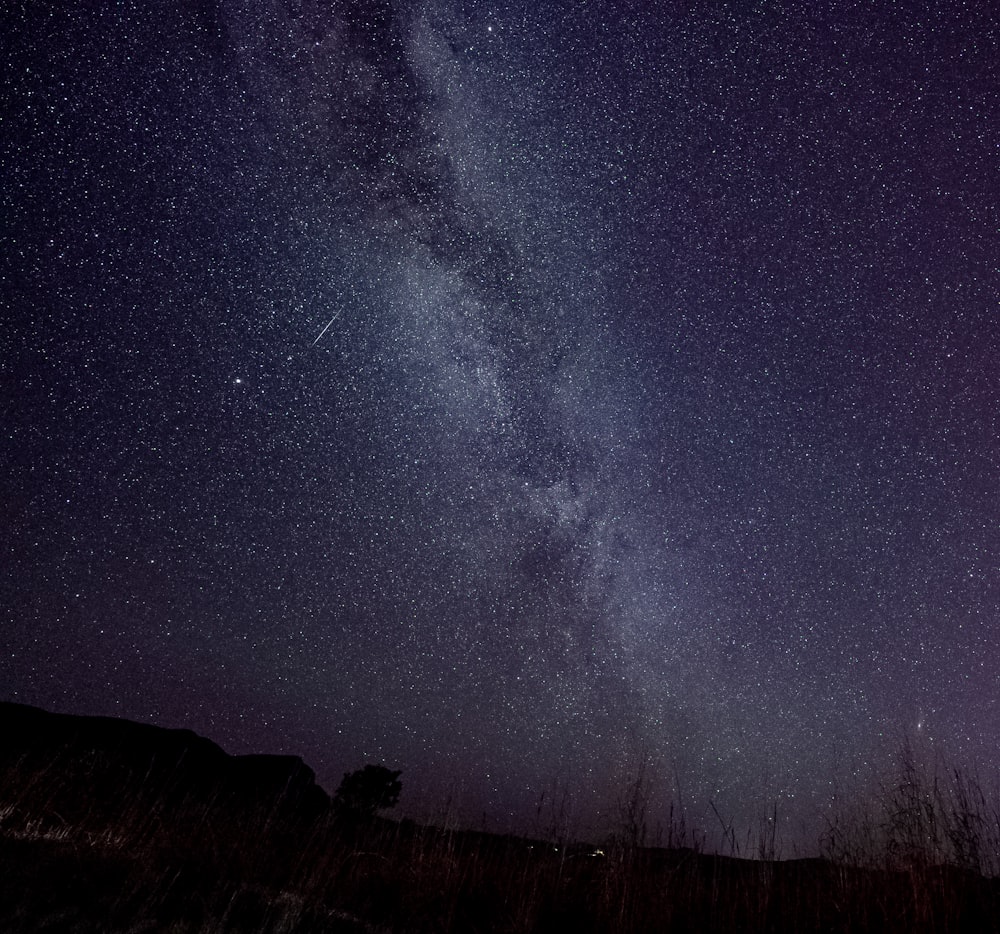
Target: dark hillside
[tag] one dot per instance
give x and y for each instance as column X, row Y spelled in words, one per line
column 77, row 769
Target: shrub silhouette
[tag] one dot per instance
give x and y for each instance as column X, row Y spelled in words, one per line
column 362, row 793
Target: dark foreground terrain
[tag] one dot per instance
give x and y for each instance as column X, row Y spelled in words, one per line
column 111, row 826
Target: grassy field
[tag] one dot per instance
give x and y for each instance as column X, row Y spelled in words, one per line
column 90, row 842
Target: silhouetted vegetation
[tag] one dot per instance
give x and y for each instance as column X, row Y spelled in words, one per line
column 365, row 792
column 112, row 827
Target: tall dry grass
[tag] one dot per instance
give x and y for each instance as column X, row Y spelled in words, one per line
column 922, row 855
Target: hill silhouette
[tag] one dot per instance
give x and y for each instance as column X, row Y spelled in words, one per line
column 80, row 767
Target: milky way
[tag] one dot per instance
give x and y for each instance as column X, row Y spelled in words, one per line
column 508, row 393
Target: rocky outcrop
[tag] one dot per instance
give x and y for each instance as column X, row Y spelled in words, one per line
column 101, row 770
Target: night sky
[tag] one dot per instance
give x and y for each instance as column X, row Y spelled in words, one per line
column 508, row 392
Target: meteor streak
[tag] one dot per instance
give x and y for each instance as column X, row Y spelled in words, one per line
column 327, row 328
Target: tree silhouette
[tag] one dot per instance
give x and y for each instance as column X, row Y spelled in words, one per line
column 362, row 793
